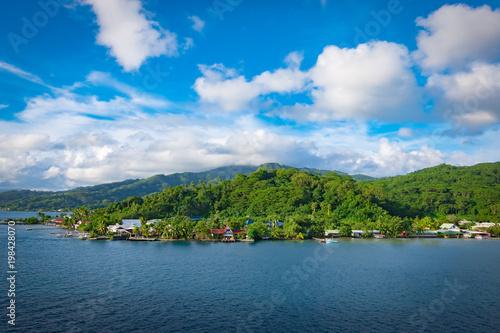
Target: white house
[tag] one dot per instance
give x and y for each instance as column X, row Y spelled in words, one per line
column 449, row 226
column 483, row 225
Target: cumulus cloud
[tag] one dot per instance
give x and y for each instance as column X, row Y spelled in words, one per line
column 454, row 35
column 83, row 139
column 230, row 91
column 198, row 24
column 129, row 34
column 372, row 81
column 469, row 99
column 52, row 172
column 20, row 142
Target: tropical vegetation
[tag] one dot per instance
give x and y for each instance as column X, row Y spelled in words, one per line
column 309, row 204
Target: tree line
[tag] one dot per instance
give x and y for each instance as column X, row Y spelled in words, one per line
column 309, row 204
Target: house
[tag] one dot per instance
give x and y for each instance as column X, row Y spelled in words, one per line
column 57, row 221
column 357, row 233
column 132, row 222
column 274, row 224
column 449, row 226
column 121, row 228
column 249, row 221
column 483, row 225
column 127, row 226
column 334, row 233
column 77, row 224
column 227, row 232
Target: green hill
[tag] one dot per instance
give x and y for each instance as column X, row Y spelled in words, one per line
column 104, row 194
column 472, row 192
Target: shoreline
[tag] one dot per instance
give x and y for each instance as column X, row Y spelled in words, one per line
column 316, row 239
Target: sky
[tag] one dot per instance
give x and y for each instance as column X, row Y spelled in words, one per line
column 97, row 91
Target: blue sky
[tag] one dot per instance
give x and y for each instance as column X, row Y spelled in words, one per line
column 99, row 91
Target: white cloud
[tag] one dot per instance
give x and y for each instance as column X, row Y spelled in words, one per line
column 3, row 106
column 198, row 24
column 78, row 106
column 188, row 43
column 392, row 159
column 372, row 81
column 454, row 35
column 22, row 74
column 406, row 132
column 130, row 36
column 226, row 89
column 469, row 99
column 20, row 142
column 83, row 139
column 294, row 59
column 219, row 86
column 52, row 172
column 137, row 97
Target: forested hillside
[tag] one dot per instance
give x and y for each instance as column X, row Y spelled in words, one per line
column 472, row 192
column 105, row 194
column 424, row 199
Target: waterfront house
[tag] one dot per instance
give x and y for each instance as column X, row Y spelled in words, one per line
column 77, row 224
column 483, row 225
column 227, row 232
column 334, row 233
column 449, row 226
column 121, row 228
column 132, row 222
column 357, row 233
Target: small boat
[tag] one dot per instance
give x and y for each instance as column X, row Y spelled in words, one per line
column 379, row 236
column 330, row 241
column 478, row 237
column 29, row 228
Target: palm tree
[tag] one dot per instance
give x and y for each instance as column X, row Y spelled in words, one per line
column 314, row 205
column 40, row 215
column 144, row 226
column 101, row 227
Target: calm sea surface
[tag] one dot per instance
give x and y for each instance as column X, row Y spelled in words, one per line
column 7, row 215
column 69, row 285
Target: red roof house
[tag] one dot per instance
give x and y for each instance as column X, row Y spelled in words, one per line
column 227, row 232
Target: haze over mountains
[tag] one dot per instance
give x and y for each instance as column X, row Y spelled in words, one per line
column 103, row 194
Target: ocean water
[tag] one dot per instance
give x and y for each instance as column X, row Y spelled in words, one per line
column 403, row 285
column 6, row 215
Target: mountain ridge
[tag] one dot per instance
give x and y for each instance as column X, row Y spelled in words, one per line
column 101, row 195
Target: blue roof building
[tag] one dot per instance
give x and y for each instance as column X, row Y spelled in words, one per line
column 249, row 221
